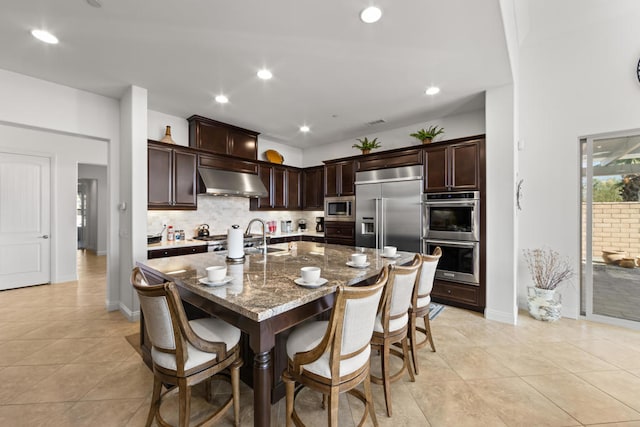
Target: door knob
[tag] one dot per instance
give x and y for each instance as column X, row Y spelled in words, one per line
column 46, row 236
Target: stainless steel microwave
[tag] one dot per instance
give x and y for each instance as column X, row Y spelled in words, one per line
column 340, row 208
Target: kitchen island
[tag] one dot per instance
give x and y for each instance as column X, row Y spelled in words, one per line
column 264, row 302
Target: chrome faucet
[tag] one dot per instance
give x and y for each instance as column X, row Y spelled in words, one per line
column 264, row 232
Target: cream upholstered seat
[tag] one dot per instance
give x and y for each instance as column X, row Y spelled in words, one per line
column 185, row 353
column 391, row 324
column 332, row 356
column 420, row 305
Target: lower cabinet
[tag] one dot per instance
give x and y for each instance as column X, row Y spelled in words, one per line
column 186, row 250
column 457, row 294
column 340, row 233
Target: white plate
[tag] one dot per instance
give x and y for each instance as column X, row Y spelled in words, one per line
column 304, row 284
column 365, row 265
column 224, row 281
column 390, row 257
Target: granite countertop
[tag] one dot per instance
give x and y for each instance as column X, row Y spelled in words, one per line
column 263, row 286
column 176, row 244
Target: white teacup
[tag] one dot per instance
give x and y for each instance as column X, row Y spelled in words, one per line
column 389, row 251
column 216, row 273
column 358, row 259
column 310, row 274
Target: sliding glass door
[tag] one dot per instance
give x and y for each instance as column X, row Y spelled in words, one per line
column 610, row 276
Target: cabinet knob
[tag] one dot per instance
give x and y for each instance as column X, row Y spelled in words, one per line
column 449, row 291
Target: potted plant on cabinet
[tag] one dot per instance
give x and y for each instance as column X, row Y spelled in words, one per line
column 548, row 271
column 366, row 145
column 427, row 135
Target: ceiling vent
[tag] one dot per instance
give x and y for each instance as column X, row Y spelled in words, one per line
column 376, row 122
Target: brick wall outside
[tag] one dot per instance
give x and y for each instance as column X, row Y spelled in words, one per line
column 615, row 226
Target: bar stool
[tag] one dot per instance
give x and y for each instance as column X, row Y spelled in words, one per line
column 392, row 324
column 420, row 304
column 332, row 357
column 186, row 353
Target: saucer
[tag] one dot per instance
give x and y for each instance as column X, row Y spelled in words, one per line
column 390, row 257
column 304, row 284
column 224, row 281
column 365, row 265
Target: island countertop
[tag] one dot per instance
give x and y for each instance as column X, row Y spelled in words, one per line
column 263, row 286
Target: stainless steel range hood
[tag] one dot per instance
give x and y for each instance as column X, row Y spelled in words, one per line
column 225, row 183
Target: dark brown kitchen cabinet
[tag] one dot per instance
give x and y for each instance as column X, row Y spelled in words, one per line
column 222, row 138
column 171, row 177
column 228, row 163
column 283, row 186
column 186, row 250
column 458, row 294
column 339, row 178
column 452, row 167
column 313, row 188
column 390, row 160
column 340, row 233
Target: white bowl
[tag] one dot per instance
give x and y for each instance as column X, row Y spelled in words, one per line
column 216, row 273
column 358, row 259
column 310, row 274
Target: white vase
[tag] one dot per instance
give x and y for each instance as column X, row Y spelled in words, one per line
column 544, row 304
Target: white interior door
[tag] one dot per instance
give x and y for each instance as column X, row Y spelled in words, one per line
column 25, row 246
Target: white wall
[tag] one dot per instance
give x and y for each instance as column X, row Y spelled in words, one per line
column 576, row 82
column 157, row 123
column 292, row 155
column 456, row 126
column 99, row 228
column 66, row 152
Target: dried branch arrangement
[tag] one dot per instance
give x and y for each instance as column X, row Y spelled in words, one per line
column 547, row 268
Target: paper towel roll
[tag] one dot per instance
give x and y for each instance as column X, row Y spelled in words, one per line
column 235, row 242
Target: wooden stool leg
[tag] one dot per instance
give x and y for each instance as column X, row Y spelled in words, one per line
column 369, row 397
column 334, row 400
column 235, row 390
column 155, row 401
column 427, row 327
column 184, row 408
column 289, row 385
column 386, row 382
column 405, row 359
column 413, row 342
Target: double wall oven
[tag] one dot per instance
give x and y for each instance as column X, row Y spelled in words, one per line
column 452, row 221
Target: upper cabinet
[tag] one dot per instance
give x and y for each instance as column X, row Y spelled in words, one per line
column 339, row 178
column 283, row 186
column 221, row 138
column 452, row 167
column 313, row 188
column 171, row 177
column 392, row 159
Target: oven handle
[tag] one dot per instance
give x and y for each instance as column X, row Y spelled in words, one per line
column 452, row 243
column 450, row 203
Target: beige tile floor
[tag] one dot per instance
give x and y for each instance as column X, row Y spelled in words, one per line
column 64, row 361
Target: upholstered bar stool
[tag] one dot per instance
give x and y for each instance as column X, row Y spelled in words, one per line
column 420, row 306
column 186, row 353
column 392, row 324
column 332, row 356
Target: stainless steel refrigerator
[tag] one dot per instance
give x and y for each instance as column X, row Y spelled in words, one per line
column 388, row 208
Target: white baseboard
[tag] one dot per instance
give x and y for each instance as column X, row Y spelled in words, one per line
column 101, row 253
column 63, row 279
column 112, row 305
column 501, row 316
column 133, row 316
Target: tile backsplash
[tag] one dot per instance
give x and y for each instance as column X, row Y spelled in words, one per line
column 222, row 212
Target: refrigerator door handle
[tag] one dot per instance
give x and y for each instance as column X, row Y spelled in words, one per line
column 382, row 223
column 377, row 223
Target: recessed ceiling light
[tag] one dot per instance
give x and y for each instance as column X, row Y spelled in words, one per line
column 265, row 74
column 44, row 36
column 304, row 128
column 222, row 99
column 370, row 15
column 432, row 90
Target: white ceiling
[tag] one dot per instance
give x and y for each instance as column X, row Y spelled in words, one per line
column 331, row 71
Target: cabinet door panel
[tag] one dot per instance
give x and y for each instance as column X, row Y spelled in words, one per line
column 184, row 165
column 159, row 177
column 347, row 179
column 242, row 144
column 265, row 173
column 464, row 166
column 313, row 189
column 293, row 189
column 212, row 138
column 436, row 169
column 279, row 188
column 331, row 180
